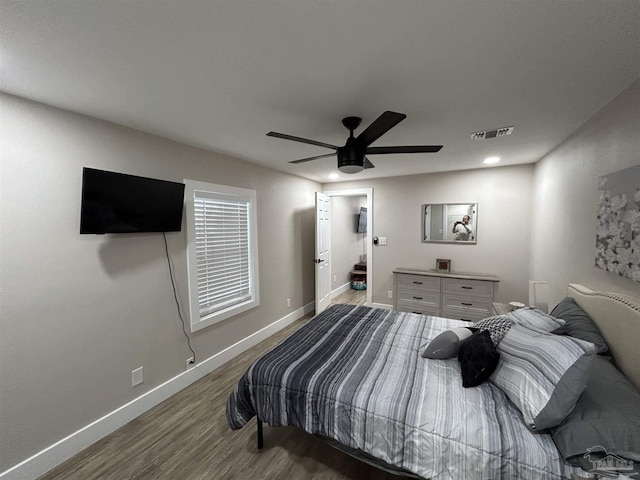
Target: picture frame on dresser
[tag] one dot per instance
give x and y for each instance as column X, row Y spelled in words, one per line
column 443, row 265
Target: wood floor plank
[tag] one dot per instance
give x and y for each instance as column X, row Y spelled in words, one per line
column 187, row 437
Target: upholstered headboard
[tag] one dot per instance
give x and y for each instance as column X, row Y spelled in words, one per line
column 618, row 317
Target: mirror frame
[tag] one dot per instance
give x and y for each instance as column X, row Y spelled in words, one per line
column 474, row 222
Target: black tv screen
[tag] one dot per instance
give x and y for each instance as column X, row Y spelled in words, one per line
column 362, row 220
column 120, row 203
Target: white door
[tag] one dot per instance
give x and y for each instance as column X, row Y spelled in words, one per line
column 323, row 252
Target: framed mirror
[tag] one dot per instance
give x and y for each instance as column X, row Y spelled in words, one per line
column 450, row 222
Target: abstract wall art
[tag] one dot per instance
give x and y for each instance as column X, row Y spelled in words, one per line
column 618, row 231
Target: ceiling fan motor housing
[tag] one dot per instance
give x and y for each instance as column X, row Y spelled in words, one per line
column 350, row 159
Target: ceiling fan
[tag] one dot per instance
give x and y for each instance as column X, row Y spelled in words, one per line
column 352, row 156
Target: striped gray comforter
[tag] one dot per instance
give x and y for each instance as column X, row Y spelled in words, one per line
column 355, row 375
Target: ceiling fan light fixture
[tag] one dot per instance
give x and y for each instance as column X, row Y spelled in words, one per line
column 351, row 168
column 350, row 160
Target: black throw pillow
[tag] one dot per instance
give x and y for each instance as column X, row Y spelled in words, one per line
column 478, row 359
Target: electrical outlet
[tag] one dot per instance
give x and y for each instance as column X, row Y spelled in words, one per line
column 288, row 302
column 137, row 376
column 190, row 363
column 389, row 294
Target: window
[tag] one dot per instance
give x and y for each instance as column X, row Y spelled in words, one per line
column 222, row 252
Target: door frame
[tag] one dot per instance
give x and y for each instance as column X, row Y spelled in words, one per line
column 359, row 192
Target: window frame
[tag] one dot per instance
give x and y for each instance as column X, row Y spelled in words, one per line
column 192, row 187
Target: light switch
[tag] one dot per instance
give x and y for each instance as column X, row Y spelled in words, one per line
column 382, row 240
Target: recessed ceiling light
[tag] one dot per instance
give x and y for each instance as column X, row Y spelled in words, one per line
column 333, row 176
column 491, row 160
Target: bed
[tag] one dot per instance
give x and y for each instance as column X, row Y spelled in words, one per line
column 355, row 376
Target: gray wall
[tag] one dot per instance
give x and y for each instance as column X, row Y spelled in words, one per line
column 503, row 195
column 566, row 197
column 78, row 313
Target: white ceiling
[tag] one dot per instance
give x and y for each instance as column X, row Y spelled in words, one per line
column 221, row 74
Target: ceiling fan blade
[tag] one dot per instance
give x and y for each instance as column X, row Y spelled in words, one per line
column 301, row 140
column 367, row 163
column 302, row 160
column 379, row 127
column 404, row 149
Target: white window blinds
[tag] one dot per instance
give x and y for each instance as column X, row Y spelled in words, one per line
column 222, row 251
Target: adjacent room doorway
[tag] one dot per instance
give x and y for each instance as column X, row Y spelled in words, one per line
column 323, row 258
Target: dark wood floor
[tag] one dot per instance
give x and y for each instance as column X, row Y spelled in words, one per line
column 187, row 437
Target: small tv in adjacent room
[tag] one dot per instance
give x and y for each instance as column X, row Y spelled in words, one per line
column 362, row 220
column 120, row 203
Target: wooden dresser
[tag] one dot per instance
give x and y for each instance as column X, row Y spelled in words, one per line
column 464, row 296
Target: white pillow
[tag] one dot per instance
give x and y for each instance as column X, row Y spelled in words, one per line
column 535, row 319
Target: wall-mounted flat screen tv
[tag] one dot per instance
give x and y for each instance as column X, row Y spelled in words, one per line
column 120, row 203
column 362, row 220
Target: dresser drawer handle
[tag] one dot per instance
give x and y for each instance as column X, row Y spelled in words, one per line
column 418, row 298
column 417, row 283
column 466, row 288
column 467, row 304
column 419, row 313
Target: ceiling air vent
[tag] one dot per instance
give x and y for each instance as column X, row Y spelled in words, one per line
column 499, row 132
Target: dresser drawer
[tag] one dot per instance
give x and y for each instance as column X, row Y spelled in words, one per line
column 475, row 303
column 477, row 288
column 418, row 282
column 465, row 308
column 464, row 313
column 416, row 307
column 411, row 300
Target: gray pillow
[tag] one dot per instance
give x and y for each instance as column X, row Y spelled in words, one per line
column 579, row 324
column 535, row 319
column 542, row 374
column 607, row 415
column 447, row 344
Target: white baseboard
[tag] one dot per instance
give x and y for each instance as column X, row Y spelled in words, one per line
column 340, row 290
column 55, row 454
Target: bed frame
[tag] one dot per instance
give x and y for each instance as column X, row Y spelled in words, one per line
column 617, row 316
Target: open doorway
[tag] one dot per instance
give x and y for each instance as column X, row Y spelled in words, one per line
column 351, row 239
